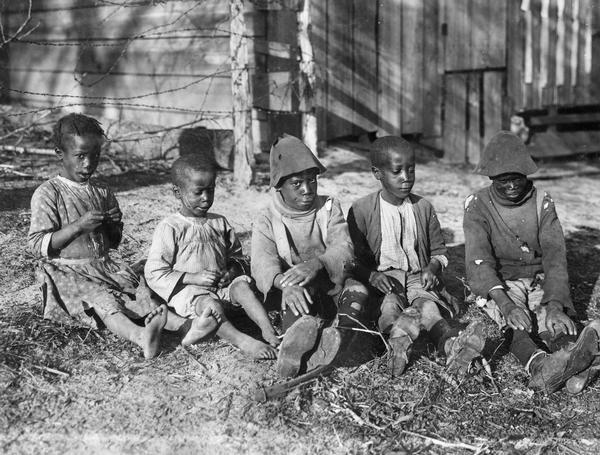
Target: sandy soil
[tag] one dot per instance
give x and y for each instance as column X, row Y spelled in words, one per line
column 70, row 390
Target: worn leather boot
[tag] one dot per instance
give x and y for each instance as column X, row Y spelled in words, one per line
column 550, row 372
column 464, row 348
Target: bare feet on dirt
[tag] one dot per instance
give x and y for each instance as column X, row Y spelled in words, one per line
column 202, row 326
column 258, row 350
column 150, row 335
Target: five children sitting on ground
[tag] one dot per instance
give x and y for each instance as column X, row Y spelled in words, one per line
column 325, row 275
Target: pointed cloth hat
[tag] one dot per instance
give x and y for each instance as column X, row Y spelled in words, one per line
column 505, row 153
column 289, row 155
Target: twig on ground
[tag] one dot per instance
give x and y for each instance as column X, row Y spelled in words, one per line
column 446, row 444
column 52, row 370
column 358, row 419
column 191, row 356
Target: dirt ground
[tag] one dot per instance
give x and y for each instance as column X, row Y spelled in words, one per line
column 70, row 390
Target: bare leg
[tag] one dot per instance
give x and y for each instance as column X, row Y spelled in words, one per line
column 148, row 337
column 248, row 345
column 242, row 294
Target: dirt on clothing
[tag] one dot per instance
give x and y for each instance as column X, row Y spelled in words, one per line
column 65, row 389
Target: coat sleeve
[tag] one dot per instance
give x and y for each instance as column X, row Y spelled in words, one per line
column 437, row 245
column 339, row 249
column 364, row 260
column 480, row 262
column 554, row 257
column 265, row 262
column 44, row 220
column 160, row 274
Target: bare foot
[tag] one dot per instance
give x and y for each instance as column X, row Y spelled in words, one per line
column 150, row 336
column 270, row 336
column 258, row 350
column 202, row 326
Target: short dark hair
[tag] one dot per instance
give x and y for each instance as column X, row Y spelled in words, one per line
column 182, row 165
column 382, row 145
column 75, row 125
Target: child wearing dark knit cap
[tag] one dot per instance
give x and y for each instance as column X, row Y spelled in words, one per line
column 516, row 266
column 401, row 253
column 299, row 246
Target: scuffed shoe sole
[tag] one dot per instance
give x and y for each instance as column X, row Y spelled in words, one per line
column 300, row 338
column 466, row 347
column 327, row 349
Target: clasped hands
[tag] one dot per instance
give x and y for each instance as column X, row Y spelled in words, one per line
column 211, row 278
column 95, row 218
column 383, row 283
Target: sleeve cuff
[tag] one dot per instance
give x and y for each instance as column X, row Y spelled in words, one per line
column 443, row 260
column 45, row 246
column 493, row 288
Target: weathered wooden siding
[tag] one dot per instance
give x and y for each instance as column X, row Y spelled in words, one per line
column 552, row 53
column 163, row 63
column 375, row 66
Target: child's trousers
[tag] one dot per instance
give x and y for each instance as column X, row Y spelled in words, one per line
column 409, row 308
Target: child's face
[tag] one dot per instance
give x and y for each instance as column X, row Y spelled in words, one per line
column 300, row 190
column 511, row 186
column 397, row 175
column 196, row 193
column 80, row 155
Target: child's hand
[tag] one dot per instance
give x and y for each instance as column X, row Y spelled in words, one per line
column 301, row 274
column 296, row 298
column 114, row 215
column 208, row 278
column 517, row 318
column 557, row 321
column 90, row 221
column 228, row 275
column 381, row 281
column 429, row 280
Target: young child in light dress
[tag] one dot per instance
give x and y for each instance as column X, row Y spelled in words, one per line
column 195, row 262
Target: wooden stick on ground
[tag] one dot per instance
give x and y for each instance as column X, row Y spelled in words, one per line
column 263, row 394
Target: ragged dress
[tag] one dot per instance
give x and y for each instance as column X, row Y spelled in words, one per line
column 80, row 277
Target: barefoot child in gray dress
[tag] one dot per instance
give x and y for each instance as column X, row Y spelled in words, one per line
column 74, row 224
column 195, row 260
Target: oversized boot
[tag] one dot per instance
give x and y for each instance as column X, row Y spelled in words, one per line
column 298, row 340
column 402, row 334
column 578, row 382
column 549, row 372
column 464, row 348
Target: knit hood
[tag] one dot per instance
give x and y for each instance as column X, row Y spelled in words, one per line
column 505, row 153
column 289, row 155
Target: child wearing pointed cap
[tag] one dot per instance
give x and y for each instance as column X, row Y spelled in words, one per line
column 516, row 266
column 401, row 253
column 299, row 246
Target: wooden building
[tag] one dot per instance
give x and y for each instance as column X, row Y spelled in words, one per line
column 448, row 73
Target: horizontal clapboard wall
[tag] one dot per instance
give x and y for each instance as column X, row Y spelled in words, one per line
column 163, row 63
